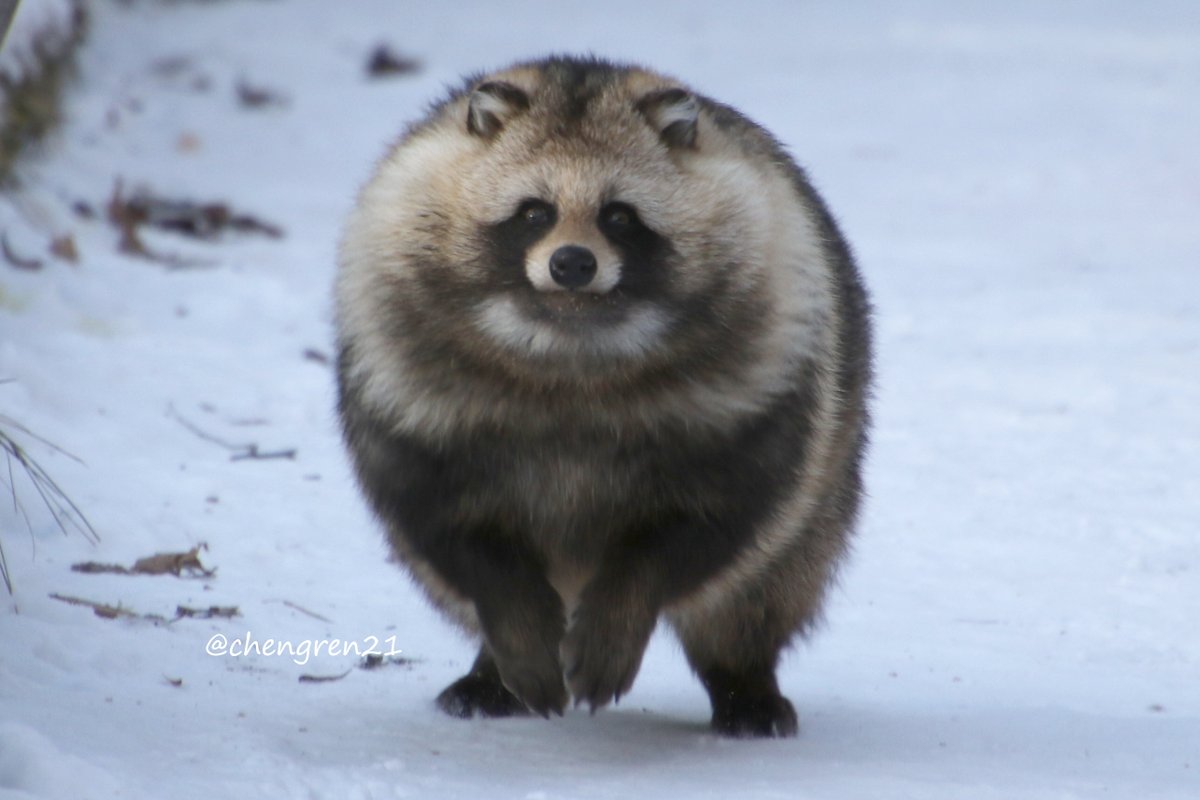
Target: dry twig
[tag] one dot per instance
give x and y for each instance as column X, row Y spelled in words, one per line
column 303, row 610
column 212, row 612
column 376, row 660
column 26, row 263
column 238, row 452
column 109, row 611
column 324, row 678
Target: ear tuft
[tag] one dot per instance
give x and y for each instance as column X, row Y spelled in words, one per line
column 673, row 113
column 492, row 105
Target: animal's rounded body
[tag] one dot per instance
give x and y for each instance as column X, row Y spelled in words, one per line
column 603, row 357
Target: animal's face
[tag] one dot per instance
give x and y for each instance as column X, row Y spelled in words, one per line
column 573, row 220
column 572, row 180
column 571, row 262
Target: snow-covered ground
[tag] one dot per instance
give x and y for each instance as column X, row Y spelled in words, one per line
column 1021, row 617
column 27, row 28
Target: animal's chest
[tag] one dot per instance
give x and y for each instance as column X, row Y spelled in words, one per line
column 570, row 495
column 570, row 492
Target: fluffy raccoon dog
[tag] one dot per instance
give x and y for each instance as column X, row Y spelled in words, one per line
column 602, row 359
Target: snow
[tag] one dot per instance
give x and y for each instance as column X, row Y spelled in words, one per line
column 1019, row 617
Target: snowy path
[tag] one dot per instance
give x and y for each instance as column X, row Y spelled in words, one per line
column 1020, row 617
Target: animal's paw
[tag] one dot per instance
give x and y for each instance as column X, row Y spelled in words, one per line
column 536, row 679
column 482, row 695
column 603, row 649
column 762, row 716
column 746, row 703
column 523, row 637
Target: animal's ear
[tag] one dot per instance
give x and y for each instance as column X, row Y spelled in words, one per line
column 673, row 113
column 492, row 105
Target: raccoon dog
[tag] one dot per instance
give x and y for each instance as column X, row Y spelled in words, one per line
column 603, row 357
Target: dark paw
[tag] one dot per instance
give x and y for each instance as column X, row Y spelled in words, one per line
column 602, row 651
column 537, row 680
column 480, row 695
column 747, row 704
column 764, row 716
column 523, row 636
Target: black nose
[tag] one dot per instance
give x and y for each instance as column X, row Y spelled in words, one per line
column 572, row 266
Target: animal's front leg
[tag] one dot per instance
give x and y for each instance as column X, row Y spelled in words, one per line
column 608, row 634
column 523, row 623
column 520, row 613
column 651, row 567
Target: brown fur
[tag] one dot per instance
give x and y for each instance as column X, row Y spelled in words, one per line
column 680, row 436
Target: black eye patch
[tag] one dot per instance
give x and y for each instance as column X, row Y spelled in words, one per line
column 644, row 253
column 619, row 222
column 535, row 214
column 509, row 240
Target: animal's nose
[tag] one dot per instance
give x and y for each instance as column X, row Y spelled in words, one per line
column 572, row 266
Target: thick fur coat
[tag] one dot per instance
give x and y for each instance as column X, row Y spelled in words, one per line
column 604, row 358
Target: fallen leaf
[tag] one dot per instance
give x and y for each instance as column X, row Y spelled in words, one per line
column 383, row 62
column 158, row 564
column 250, row 96
column 174, row 563
column 64, row 247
